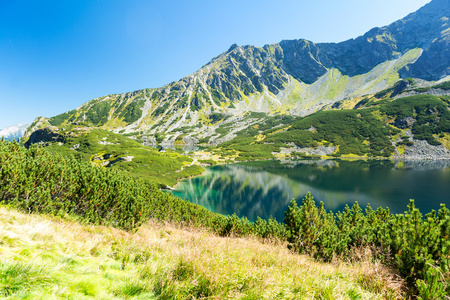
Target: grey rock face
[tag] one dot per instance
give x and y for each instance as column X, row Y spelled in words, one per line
column 404, row 123
column 423, row 150
column 303, row 60
column 427, row 29
column 434, row 62
column 44, row 136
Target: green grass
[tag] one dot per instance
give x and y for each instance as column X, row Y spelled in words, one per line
column 207, row 162
column 47, row 258
column 146, row 163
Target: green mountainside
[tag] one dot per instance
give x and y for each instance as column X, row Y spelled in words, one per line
column 403, row 121
column 295, row 77
column 409, row 127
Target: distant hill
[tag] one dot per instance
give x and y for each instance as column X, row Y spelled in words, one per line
column 398, row 122
column 14, row 132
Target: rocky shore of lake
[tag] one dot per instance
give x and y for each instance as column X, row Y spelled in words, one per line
column 423, row 150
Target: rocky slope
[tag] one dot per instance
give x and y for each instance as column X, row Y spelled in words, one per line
column 297, row 77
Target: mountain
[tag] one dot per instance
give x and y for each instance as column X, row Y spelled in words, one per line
column 14, row 132
column 295, row 77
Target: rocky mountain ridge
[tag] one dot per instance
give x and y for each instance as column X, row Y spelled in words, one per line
column 295, row 77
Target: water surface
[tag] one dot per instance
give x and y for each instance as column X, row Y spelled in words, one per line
column 265, row 188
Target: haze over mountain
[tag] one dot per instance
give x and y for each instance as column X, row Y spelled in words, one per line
column 296, row 77
column 14, row 132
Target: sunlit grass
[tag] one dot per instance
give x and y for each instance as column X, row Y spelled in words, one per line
column 46, row 258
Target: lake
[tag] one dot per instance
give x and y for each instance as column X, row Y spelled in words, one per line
column 265, row 188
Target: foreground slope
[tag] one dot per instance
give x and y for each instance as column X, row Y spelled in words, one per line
column 38, row 181
column 296, row 77
column 46, row 258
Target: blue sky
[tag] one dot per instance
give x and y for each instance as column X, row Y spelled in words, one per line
column 55, row 55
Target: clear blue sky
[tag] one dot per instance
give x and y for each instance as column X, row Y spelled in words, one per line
column 55, row 55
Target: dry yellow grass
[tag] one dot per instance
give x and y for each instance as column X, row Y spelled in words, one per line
column 61, row 259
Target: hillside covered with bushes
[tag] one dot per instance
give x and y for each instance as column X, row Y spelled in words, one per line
column 381, row 128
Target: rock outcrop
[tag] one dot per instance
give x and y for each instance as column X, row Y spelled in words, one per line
column 44, row 136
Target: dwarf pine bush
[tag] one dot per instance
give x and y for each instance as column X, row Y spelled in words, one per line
column 38, row 181
column 416, row 246
column 35, row 180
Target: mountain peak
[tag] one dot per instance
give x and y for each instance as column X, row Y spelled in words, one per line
column 13, row 132
column 234, row 46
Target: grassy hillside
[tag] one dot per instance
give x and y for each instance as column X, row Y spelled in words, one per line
column 48, row 258
column 110, row 150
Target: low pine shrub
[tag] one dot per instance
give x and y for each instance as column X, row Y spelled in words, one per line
column 418, row 247
column 37, row 181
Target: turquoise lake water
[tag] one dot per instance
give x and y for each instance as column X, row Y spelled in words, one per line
column 265, row 188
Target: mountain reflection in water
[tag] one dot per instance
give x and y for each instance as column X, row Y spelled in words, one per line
column 265, row 188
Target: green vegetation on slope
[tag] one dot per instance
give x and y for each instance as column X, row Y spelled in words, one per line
column 367, row 132
column 431, row 116
column 98, row 112
column 417, row 246
column 110, row 150
column 355, row 132
column 48, row 258
column 37, row 180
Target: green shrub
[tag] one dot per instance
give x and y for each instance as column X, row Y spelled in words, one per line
column 36, row 180
column 98, row 113
column 444, row 85
column 216, row 117
column 418, row 247
column 59, row 119
column 431, row 114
